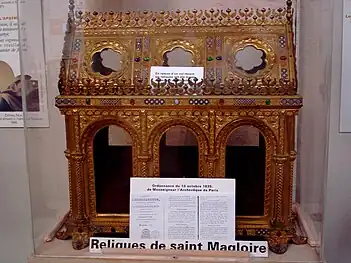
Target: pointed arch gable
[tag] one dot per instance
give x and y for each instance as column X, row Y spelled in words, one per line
column 158, row 131
column 271, row 142
column 89, row 132
column 268, row 133
column 86, row 146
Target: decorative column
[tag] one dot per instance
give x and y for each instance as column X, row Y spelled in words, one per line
column 143, row 157
column 77, row 186
column 278, row 236
column 77, row 225
column 280, row 164
column 211, row 155
column 292, row 157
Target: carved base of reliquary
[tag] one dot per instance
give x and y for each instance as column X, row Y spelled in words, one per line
column 278, row 238
column 212, row 125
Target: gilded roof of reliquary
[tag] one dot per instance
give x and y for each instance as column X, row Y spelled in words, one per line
column 223, row 42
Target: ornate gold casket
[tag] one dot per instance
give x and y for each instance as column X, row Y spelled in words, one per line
column 232, row 95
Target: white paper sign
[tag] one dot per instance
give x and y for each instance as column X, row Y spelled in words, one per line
column 171, row 73
column 255, row 248
column 182, row 209
column 33, row 65
column 345, row 103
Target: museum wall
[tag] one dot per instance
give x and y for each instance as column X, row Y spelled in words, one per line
column 48, row 167
column 15, row 219
column 324, row 160
column 337, row 219
column 314, row 83
column 46, row 162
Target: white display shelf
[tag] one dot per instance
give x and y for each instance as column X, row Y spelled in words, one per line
column 61, row 252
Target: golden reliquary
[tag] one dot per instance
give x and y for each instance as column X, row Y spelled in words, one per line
column 238, row 121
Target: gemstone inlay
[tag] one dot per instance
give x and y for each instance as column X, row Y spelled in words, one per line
column 146, row 43
column 138, row 44
column 199, row 101
column 77, row 44
column 218, row 43
column 244, row 101
column 210, row 42
column 291, row 102
column 111, row 102
column 284, row 73
column 154, row 101
column 282, row 41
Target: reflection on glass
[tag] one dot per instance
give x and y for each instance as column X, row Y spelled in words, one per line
column 250, row 59
column 179, row 154
column 118, row 136
column 113, row 169
column 244, row 136
column 178, row 57
column 106, row 62
column 245, row 161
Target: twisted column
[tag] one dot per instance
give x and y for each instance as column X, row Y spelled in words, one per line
column 77, row 186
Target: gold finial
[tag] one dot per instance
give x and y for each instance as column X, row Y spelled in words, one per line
column 289, row 11
column 186, row 18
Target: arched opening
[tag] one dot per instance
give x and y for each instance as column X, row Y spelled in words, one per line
column 246, row 162
column 179, row 153
column 113, row 167
column 106, row 62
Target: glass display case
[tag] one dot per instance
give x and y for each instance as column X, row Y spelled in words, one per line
column 95, row 114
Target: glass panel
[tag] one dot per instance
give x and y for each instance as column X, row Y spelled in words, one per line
column 179, row 154
column 250, row 59
column 113, row 168
column 245, row 161
column 178, row 57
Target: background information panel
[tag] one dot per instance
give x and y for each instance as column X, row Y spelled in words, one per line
column 33, row 65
